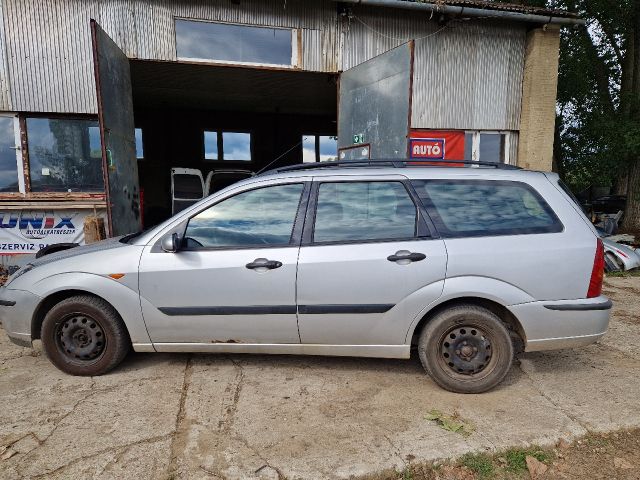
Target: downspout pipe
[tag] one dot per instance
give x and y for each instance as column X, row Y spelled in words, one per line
column 469, row 11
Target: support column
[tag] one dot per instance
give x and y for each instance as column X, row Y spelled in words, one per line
column 539, row 91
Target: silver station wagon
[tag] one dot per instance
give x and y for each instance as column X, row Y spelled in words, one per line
column 467, row 264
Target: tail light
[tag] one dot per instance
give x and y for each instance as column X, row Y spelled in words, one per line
column 597, row 274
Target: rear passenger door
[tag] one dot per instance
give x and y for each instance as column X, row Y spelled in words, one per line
column 503, row 238
column 368, row 263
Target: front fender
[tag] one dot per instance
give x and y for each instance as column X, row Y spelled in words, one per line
column 486, row 288
column 121, row 296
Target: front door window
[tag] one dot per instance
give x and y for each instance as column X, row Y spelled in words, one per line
column 259, row 218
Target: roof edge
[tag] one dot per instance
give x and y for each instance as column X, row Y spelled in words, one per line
column 481, row 9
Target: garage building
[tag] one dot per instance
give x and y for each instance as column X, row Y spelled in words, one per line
column 100, row 100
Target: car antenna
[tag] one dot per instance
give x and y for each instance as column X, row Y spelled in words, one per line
column 278, row 158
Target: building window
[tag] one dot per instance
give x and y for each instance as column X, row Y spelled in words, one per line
column 139, row 147
column 236, row 146
column 9, row 154
column 211, row 146
column 64, row 155
column 223, row 42
column 488, row 146
column 319, row 148
column 227, row 146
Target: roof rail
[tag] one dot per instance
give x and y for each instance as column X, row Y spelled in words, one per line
column 394, row 163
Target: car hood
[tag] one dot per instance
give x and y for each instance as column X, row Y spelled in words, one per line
column 108, row 244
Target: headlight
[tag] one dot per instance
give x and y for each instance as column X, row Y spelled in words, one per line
column 21, row 271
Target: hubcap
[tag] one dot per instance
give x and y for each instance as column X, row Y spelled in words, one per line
column 465, row 350
column 80, row 337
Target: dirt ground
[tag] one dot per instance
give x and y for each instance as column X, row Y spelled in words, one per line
column 606, row 456
column 231, row 416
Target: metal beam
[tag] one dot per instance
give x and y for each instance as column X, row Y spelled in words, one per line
column 469, row 11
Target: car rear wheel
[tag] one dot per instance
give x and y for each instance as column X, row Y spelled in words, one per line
column 84, row 335
column 466, row 349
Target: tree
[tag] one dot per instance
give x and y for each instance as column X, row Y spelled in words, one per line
column 598, row 113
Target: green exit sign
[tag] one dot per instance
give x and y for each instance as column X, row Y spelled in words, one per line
column 358, row 138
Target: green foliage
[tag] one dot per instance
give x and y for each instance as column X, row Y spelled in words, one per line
column 479, row 463
column 597, row 129
column 632, row 273
column 406, row 474
column 451, row 423
column 516, row 458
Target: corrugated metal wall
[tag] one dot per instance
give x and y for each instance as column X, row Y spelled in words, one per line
column 4, row 73
column 48, row 49
column 467, row 75
column 48, row 42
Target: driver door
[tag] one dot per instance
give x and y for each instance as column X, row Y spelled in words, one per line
column 233, row 279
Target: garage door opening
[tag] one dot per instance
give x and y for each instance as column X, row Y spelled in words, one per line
column 218, row 124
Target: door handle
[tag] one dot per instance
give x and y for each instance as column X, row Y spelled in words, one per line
column 263, row 263
column 406, row 257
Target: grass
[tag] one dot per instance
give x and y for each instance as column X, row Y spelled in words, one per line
column 516, row 458
column 507, row 464
column 479, row 463
column 632, row 273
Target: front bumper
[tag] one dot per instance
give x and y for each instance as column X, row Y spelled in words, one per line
column 16, row 311
column 552, row 325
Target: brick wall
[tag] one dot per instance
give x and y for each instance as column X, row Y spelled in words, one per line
column 539, row 89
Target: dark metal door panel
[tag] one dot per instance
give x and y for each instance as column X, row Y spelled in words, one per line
column 375, row 105
column 117, row 133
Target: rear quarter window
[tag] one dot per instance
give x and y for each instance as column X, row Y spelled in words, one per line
column 474, row 208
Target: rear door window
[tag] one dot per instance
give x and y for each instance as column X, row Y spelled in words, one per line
column 364, row 211
column 463, row 208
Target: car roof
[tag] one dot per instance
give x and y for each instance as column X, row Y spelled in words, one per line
column 411, row 172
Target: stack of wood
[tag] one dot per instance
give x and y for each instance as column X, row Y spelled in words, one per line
column 94, row 230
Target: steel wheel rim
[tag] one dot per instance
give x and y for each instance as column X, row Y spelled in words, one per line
column 80, row 338
column 466, row 351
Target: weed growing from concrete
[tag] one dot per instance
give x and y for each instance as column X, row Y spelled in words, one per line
column 479, row 463
column 517, row 458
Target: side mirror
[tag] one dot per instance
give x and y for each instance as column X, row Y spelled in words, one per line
column 170, row 243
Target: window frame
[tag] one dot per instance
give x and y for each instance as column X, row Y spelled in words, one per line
column 24, row 165
column 316, row 143
column 296, row 44
column 220, row 143
column 424, row 228
column 18, row 149
column 80, row 194
column 296, row 231
column 475, row 144
column 444, row 232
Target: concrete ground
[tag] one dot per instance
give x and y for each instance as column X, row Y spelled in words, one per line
column 230, row 416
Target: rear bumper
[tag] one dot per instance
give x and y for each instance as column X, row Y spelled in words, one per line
column 563, row 324
column 16, row 311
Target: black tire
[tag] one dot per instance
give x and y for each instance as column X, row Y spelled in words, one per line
column 472, row 367
column 84, row 335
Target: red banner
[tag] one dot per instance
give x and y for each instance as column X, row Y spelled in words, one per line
column 436, row 145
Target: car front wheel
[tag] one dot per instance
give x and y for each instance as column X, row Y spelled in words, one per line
column 466, row 349
column 84, row 335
